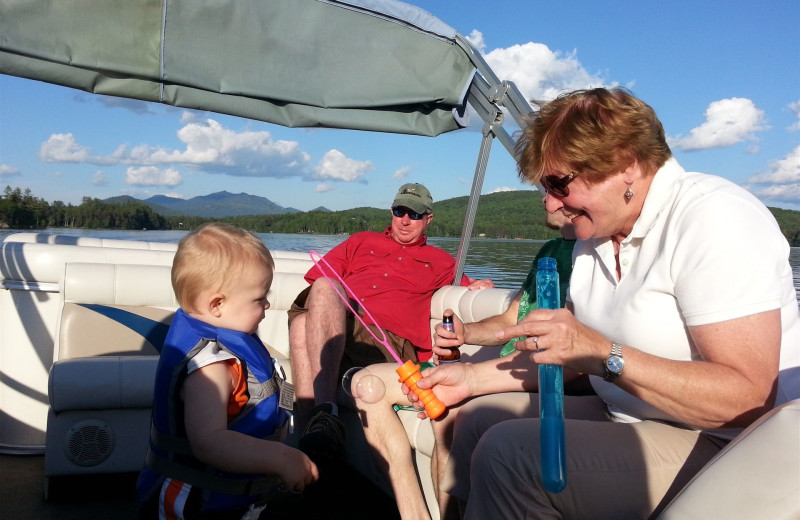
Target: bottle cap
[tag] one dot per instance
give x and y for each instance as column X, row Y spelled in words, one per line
column 547, row 263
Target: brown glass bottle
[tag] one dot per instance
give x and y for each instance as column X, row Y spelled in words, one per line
column 455, row 354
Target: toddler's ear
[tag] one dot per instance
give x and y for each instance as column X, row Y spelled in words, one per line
column 215, row 304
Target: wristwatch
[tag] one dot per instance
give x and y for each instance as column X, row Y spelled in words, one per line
column 614, row 362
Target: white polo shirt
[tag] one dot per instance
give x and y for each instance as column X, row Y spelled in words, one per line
column 704, row 250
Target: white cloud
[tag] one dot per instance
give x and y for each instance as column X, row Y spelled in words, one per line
column 214, row 148
column 780, row 193
column 335, row 165
column 728, row 122
column 401, row 173
column 786, row 170
column 63, row 148
column 7, row 170
column 152, row 176
column 539, row 72
column 781, row 182
column 322, row 188
column 189, row 116
column 99, row 178
column 476, row 39
column 209, row 147
column 795, row 107
column 501, row 189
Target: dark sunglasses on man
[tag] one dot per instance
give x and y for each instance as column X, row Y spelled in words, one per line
column 401, row 212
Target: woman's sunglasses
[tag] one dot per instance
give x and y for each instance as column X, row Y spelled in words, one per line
column 557, row 185
column 402, row 212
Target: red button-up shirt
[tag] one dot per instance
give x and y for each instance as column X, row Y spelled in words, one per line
column 394, row 282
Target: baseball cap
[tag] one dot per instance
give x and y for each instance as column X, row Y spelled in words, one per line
column 415, row 197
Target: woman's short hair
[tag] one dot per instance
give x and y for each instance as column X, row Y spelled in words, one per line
column 212, row 254
column 596, row 133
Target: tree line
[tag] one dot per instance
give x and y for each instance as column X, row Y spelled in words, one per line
column 22, row 210
column 516, row 214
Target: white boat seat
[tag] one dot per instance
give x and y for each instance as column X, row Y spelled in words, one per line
column 757, row 475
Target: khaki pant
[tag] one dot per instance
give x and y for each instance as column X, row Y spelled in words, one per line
column 614, row 470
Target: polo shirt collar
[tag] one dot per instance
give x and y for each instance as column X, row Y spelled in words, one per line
column 421, row 241
column 658, row 196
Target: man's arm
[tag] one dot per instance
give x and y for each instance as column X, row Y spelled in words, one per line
column 484, row 332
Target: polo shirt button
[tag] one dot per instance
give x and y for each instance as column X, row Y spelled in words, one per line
column 426, row 265
column 624, row 261
column 362, row 299
column 385, row 274
column 374, row 286
column 399, row 257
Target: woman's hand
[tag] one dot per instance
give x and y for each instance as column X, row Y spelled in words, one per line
column 451, row 383
column 554, row 336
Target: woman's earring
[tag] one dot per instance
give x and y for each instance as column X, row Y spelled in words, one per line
column 628, row 194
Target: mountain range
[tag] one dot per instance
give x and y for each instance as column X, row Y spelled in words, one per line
column 214, row 205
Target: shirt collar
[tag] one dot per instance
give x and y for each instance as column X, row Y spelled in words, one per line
column 658, row 195
column 421, row 241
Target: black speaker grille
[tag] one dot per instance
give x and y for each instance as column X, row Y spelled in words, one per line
column 89, row 443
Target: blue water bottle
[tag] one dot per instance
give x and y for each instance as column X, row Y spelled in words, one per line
column 551, row 389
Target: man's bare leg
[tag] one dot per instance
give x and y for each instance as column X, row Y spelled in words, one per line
column 386, row 435
column 317, row 340
column 302, row 376
column 325, row 329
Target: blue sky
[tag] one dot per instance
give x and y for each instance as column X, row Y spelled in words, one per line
column 723, row 76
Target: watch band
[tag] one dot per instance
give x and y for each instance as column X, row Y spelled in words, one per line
column 616, row 352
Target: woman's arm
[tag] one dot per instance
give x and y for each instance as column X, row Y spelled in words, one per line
column 456, row 382
column 733, row 384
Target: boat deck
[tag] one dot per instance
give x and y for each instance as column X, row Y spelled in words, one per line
column 341, row 493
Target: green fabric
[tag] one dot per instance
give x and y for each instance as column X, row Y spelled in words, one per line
column 302, row 63
column 561, row 250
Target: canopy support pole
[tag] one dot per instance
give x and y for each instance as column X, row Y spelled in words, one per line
column 472, row 204
column 487, row 94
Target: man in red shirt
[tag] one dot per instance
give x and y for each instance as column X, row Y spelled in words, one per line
column 394, row 275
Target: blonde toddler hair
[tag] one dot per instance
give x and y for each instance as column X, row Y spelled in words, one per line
column 210, row 256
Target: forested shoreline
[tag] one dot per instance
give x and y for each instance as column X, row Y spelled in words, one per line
column 516, row 214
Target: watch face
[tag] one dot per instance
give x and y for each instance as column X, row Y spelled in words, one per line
column 615, row 364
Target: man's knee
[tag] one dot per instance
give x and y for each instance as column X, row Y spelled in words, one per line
column 322, row 287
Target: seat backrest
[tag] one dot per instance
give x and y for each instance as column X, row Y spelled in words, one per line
column 114, row 309
column 120, row 309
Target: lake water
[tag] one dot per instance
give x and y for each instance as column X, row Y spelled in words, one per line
column 506, row 262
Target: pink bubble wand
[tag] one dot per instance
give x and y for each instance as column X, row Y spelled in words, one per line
column 408, row 371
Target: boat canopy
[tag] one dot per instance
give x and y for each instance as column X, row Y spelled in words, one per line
column 373, row 65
